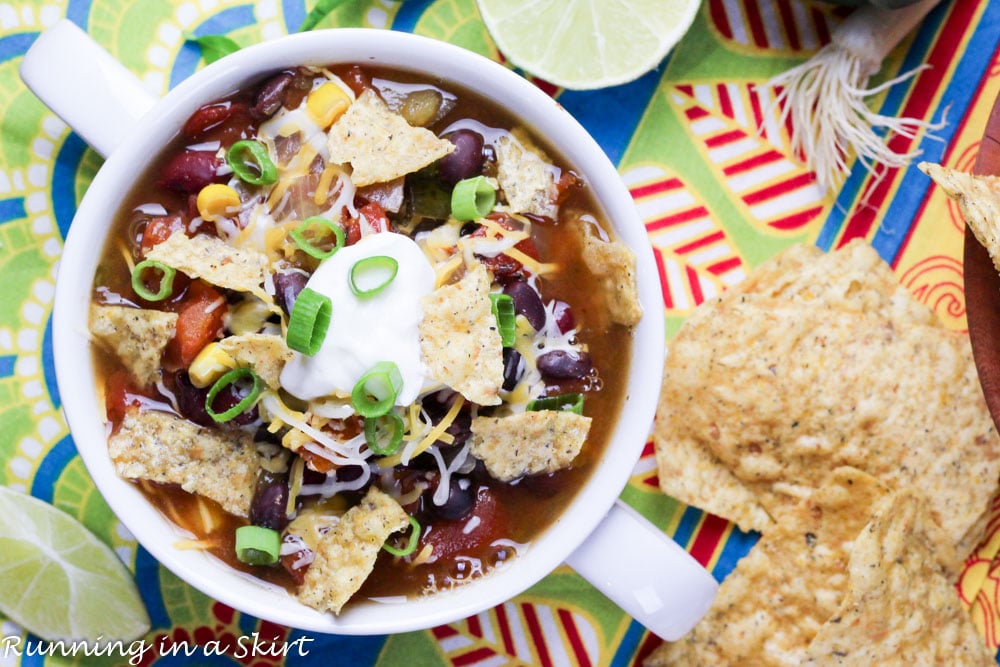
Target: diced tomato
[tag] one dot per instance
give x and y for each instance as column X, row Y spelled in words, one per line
column 316, row 462
column 489, row 522
column 159, row 230
column 375, row 216
column 302, row 560
column 119, row 395
column 200, row 315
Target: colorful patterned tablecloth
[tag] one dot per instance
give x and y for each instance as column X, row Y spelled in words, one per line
column 708, row 162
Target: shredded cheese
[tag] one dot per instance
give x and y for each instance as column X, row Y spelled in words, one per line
column 435, row 433
column 444, row 271
column 531, row 263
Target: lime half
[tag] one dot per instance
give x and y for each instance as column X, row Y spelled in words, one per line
column 58, row 580
column 587, row 44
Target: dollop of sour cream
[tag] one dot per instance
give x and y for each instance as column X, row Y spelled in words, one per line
column 366, row 330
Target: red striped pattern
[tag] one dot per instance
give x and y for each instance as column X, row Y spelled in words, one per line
column 777, row 25
column 776, row 188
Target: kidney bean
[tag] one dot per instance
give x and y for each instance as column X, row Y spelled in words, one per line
column 527, row 302
column 513, row 369
column 287, row 285
column 271, row 95
column 207, row 117
column 565, row 365
column 467, row 158
column 564, row 316
column 191, row 402
column 270, row 501
column 189, row 171
column 461, row 500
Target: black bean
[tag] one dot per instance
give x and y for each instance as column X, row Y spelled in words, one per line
column 527, row 302
column 565, row 365
column 460, row 502
column 466, row 160
column 270, row 501
column 348, row 473
column 271, row 95
column 287, row 285
column 189, row 171
column 513, row 368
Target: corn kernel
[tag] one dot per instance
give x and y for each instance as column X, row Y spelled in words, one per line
column 210, row 364
column 327, row 103
column 217, row 201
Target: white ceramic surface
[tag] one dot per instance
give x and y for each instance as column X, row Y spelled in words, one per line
column 659, row 583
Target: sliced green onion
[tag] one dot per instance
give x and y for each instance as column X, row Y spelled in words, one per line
column 384, row 434
column 375, row 393
column 472, row 198
column 503, row 311
column 299, row 236
column 411, row 544
column 249, row 160
column 562, row 403
column 245, row 403
column 167, row 274
column 309, row 321
column 256, row 545
column 371, row 275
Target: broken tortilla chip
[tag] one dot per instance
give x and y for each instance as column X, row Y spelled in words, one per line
column 163, row 448
column 214, row 261
column 459, row 340
column 345, row 554
column 772, row 604
column 901, row 607
column 379, row 144
column 613, row 264
column 529, row 443
column 526, row 176
column 266, row 354
column 978, row 198
column 137, row 337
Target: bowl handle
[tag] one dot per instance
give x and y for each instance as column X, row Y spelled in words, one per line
column 84, row 85
column 645, row 573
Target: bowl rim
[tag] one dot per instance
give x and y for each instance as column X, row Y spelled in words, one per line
column 86, row 237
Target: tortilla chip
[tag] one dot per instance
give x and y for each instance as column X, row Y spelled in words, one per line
column 526, row 176
column 691, row 473
column 459, row 340
column 978, row 198
column 167, row 449
column 852, row 278
column 901, row 607
column 777, row 598
column 137, row 337
column 266, row 354
column 379, row 144
column 782, row 392
column 214, row 261
column 345, row 554
column 613, row 264
column 529, row 443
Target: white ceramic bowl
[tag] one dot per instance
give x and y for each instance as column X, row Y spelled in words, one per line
column 100, row 110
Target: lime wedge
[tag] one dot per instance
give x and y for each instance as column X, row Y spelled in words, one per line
column 58, row 580
column 587, row 44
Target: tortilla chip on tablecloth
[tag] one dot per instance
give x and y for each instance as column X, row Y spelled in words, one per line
column 901, row 606
column 772, row 604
